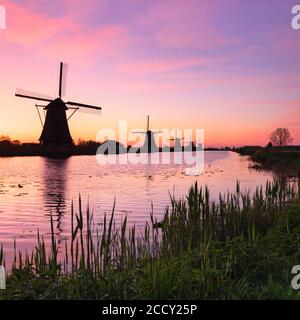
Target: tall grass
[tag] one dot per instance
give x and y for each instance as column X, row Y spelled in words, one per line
column 190, row 224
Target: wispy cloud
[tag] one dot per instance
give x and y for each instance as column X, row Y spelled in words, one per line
column 65, row 36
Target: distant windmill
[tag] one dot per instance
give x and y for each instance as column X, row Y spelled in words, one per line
column 149, row 145
column 190, row 145
column 177, row 145
column 55, row 128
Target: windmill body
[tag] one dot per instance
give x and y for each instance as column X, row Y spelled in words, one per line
column 56, row 131
column 177, row 145
column 149, row 145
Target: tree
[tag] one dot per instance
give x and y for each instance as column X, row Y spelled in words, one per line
column 269, row 145
column 281, row 137
column 4, row 138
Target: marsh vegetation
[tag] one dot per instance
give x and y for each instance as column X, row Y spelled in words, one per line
column 241, row 246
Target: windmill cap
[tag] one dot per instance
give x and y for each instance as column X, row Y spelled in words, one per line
column 56, row 104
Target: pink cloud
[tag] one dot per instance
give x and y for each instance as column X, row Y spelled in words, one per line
column 81, row 47
column 65, row 37
column 25, row 27
column 162, row 65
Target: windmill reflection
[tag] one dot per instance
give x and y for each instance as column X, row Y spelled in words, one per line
column 55, row 181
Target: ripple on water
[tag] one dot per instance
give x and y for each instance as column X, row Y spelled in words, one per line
column 33, row 188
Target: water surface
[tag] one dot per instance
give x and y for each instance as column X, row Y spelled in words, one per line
column 32, row 187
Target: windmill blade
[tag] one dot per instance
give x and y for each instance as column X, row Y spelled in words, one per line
column 157, row 132
column 32, row 95
column 138, row 132
column 82, row 105
column 88, row 111
column 63, row 79
column 176, row 136
column 173, row 139
column 148, row 123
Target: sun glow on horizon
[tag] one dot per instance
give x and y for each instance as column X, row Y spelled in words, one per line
column 200, row 65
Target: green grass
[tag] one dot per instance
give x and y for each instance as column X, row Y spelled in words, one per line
column 240, row 247
column 284, row 161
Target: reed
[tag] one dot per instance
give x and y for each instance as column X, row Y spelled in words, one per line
column 194, row 252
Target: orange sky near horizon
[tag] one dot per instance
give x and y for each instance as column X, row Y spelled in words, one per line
column 198, row 65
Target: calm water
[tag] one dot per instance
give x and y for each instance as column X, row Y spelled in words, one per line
column 31, row 188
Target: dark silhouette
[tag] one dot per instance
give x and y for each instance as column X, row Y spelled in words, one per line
column 177, row 146
column 149, row 145
column 281, row 137
column 55, row 129
column 10, row 147
column 269, row 146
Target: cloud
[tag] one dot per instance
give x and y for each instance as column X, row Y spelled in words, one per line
column 185, row 24
column 154, row 66
column 82, row 47
column 62, row 37
column 25, row 27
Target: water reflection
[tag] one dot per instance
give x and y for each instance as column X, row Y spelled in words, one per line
column 283, row 177
column 31, row 188
column 55, row 190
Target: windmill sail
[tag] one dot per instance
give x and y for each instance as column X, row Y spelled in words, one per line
column 63, row 79
column 55, row 128
column 82, row 105
column 32, row 95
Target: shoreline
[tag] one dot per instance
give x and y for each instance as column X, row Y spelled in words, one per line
column 79, row 151
column 283, row 161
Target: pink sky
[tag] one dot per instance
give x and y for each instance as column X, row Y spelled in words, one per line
column 230, row 67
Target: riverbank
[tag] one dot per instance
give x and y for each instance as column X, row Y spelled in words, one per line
column 29, row 150
column 240, row 247
column 10, row 148
column 281, row 160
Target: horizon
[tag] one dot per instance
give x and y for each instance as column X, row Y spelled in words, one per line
column 230, row 69
column 130, row 143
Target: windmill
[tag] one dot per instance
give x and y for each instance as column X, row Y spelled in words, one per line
column 177, row 146
column 149, row 145
column 55, row 127
column 190, row 145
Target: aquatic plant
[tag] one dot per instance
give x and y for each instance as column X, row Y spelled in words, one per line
column 202, row 249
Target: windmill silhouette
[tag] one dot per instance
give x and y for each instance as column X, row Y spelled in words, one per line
column 177, row 146
column 55, row 127
column 191, row 145
column 149, row 145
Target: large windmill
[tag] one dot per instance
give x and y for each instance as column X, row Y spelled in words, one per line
column 149, row 145
column 55, row 127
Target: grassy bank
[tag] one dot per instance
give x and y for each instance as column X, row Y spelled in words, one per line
column 281, row 160
column 240, row 247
